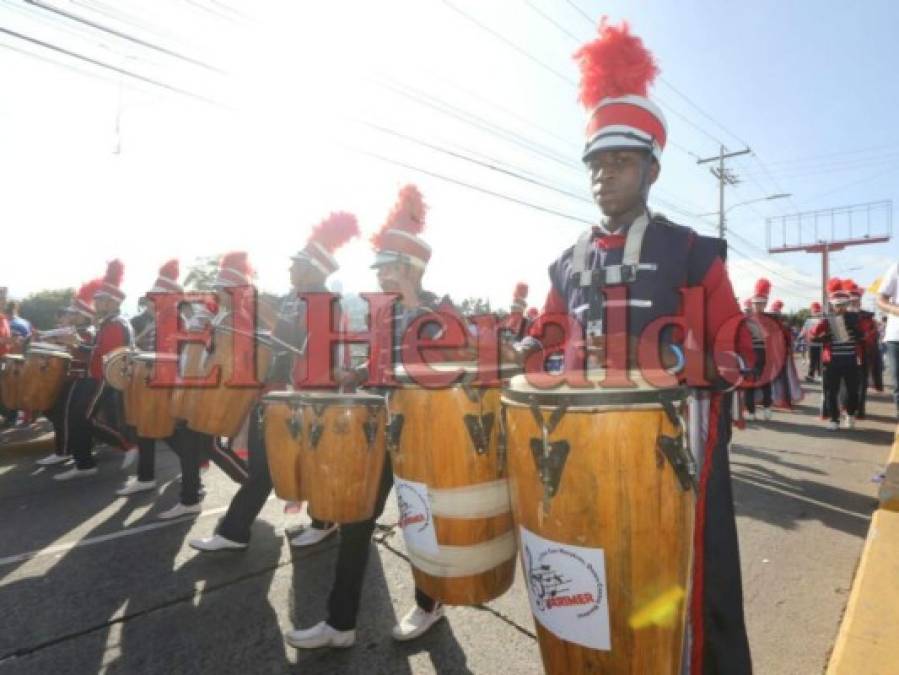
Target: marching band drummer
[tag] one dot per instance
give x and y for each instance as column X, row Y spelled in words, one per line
column 95, row 408
column 79, row 317
column 653, row 259
column 400, row 261
column 309, row 270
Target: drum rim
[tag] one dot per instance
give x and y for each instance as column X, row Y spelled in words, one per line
column 55, row 353
column 153, row 357
column 315, row 397
column 595, row 398
column 14, row 357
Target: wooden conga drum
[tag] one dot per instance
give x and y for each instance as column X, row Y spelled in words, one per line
column 43, row 376
column 282, row 425
column 605, row 523
column 450, row 480
column 117, row 374
column 10, row 380
column 152, row 412
column 221, row 410
column 192, row 362
column 343, row 453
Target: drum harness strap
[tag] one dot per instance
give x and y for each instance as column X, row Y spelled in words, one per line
column 592, row 280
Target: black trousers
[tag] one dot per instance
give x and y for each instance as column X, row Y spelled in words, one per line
column 766, row 398
column 192, row 448
column 352, row 558
column 146, row 459
column 863, row 373
column 255, row 490
column 94, row 412
column 836, row 374
column 57, row 417
column 814, row 360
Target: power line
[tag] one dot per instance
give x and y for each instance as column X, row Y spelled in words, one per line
column 582, row 13
column 552, row 21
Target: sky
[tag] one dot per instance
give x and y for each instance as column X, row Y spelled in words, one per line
column 301, row 109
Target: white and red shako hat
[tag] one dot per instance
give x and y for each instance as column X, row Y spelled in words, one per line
column 398, row 240
column 328, row 236
column 815, row 308
column 836, row 293
column 854, row 291
column 83, row 302
column 234, row 270
column 616, row 72
column 777, row 306
column 111, row 287
column 167, row 281
column 762, row 291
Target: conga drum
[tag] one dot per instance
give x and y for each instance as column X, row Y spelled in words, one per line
column 605, row 522
column 282, row 425
column 221, row 410
column 450, row 480
column 10, row 380
column 152, row 406
column 117, row 374
column 192, row 363
column 43, row 376
column 343, row 453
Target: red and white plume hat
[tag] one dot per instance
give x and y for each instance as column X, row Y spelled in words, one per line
column 777, row 306
column 835, row 292
column 328, row 236
column 616, row 72
column 83, row 302
column 234, row 270
column 520, row 297
column 398, row 240
column 112, row 282
column 815, row 308
column 167, row 281
column 762, row 291
column 853, row 290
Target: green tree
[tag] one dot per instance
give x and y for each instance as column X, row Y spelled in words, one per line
column 42, row 307
column 202, row 273
column 475, row 306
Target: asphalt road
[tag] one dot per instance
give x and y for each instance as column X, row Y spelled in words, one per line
column 93, row 583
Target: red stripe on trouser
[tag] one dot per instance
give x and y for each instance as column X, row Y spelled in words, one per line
column 91, row 410
column 225, row 456
column 697, row 600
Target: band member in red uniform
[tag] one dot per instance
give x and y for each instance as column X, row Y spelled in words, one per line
column 871, row 366
column 814, row 348
column 77, row 334
column 310, row 270
column 758, row 303
column 652, row 259
column 841, row 342
column 401, row 257
column 97, row 414
column 785, row 387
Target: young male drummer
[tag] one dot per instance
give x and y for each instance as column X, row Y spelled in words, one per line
column 79, row 315
column 400, row 260
column 814, row 349
column 653, row 259
column 96, row 409
column 870, row 366
column 309, row 270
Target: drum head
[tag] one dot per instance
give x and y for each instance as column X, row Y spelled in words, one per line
column 292, row 397
column 14, row 358
column 425, row 374
column 338, row 398
column 43, row 349
column 114, row 370
column 153, row 357
column 541, row 389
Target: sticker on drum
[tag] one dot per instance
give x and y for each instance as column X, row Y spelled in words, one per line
column 416, row 519
column 567, row 589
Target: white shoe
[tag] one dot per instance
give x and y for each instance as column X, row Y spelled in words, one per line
column 416, row 622
column 129, row 459
column 52, row 460
column 134, row 486
column 312, row 535
column 320, row 635
column 833, row 426
column 766, row 412
column 179, row 510
column 848, row 422
column 216, row 543
column 75, row 472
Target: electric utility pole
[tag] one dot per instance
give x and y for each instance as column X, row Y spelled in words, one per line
column 725, row 177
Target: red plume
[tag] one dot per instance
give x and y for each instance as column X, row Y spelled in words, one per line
column 408, row 214
column 86, row 292
column 335, row 230
column 762, row 287
column 847, row 285
column 521, row 291
column 238, row 261
column 834, row 285
column 171, row 270
column 615, row 64
column 115, row 271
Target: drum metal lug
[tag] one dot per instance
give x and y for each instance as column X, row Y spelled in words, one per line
column 479, row 428
column 680, row 459
column 550, row 457
column 370, row 428
column 295, row 423
column 316, row 429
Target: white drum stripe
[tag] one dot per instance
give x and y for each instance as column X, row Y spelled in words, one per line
column 481, row 500
column 465, row 561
